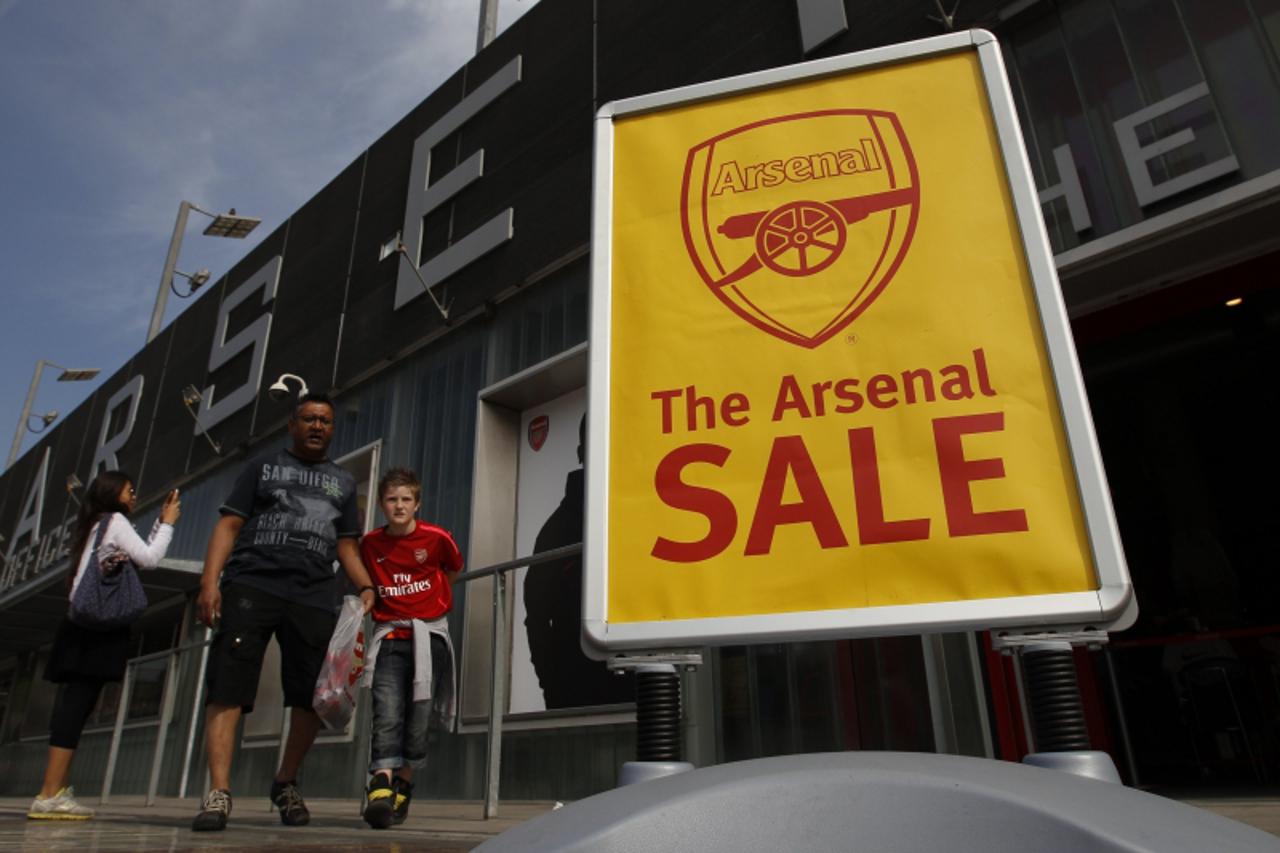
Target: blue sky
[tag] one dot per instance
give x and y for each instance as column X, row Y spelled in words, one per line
column 114, row 111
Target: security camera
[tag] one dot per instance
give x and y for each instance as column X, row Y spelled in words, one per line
column 280, row 391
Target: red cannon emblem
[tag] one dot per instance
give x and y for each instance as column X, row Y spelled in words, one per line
column 798, row 238
column 539, row 427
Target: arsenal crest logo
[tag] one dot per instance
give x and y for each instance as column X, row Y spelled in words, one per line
column 538, row 429
column 420, row 554
column 797, row 223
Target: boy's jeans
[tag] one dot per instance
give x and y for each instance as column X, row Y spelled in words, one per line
column 399, row 723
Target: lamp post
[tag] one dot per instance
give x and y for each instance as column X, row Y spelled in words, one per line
column 67, row 375
column 223, row 225
column 488, row 24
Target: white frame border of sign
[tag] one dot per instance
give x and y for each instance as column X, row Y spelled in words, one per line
column 1111, row 607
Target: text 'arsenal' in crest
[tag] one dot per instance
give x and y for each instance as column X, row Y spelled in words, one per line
column 798, row 222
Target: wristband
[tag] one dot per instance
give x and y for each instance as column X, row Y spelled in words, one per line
column 363, row 588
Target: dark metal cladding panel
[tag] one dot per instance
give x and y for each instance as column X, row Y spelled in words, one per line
column 75, row 445
column 537, row 142
column 88, row 416
column 172, row 430
column 150, row 363
column 20, row 478
column 308, row 307
column 648, row 47
column 61, row 444
column 17, row 480
column 15, row 493
column 129, row 456
column 8, row 492
column 234, row 430
column 886, row 22
column 367, row 328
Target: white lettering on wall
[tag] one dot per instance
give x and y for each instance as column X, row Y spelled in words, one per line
column 253, row 336
column 37, row 556
column 1136, row 157
column 423, row 198
column 1069, row 188
column 105, row 455
column 28, row 525
column 820, row 22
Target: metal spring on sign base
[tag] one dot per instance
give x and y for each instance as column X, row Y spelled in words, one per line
column 1057, row 712
column 658, row 716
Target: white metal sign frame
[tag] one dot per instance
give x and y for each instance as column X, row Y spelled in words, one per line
column 1111, row 606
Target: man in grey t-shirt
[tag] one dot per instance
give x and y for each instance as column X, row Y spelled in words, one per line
column 269, row 570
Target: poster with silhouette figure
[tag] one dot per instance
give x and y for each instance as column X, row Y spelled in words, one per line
column 549, row 671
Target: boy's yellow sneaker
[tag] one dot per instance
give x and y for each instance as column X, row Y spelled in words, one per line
column 404, row 793
column 380, row 802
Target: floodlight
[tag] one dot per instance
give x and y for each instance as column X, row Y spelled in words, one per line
column 197, row 279
column 190, row 397
column 223, row 225
column 230, row 224
column 74, row 485
column 77, row 375
column 24, row 422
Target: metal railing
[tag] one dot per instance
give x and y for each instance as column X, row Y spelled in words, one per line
column 498, row 660
column 169, row 698
column 497, row 688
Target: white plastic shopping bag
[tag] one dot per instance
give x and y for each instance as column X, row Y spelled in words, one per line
column 335, row 697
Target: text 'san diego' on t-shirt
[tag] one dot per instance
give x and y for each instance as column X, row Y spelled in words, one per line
column 294, row 512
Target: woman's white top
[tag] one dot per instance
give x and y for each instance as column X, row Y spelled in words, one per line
column 121, row 538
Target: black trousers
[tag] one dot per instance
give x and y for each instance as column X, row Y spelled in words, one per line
column 71, row 708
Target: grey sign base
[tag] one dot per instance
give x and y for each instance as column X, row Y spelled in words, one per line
column 1090, row 764
column 644, row 771
column 869, row 802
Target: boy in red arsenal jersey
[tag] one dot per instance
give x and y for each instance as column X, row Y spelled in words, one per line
column 409, row 661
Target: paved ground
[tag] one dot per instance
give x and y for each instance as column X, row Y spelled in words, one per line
column 1259, row 812
column 433, row 827
column 126, row 824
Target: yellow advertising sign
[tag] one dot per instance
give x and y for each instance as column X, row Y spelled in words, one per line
column 828, row 383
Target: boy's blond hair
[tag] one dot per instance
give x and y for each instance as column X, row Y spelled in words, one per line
column 400, row 477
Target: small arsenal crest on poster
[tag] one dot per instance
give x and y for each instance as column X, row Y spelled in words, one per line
column 798, row 241
column 420, row 554
column 538, row 429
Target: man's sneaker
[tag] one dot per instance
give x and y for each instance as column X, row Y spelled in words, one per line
column 380, row 802
column 404, row 793
column 285, row 797
column 61, row 806
column 213, row 812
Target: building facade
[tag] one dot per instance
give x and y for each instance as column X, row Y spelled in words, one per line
column 1153, row 128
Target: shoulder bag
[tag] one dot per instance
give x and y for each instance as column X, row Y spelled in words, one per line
column 109, row 594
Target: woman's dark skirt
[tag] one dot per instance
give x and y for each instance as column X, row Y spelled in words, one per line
column 80, row 654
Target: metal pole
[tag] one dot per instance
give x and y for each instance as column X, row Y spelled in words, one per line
column 488, row 23
column 162, row 731
column 1060, row 731
column 170, row 264
column 195, row 716
column 497, row 698
column 26, row 414
column 1125, row 740
column 125, row 689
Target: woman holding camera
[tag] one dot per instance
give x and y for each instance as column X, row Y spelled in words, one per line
column 84, row 659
